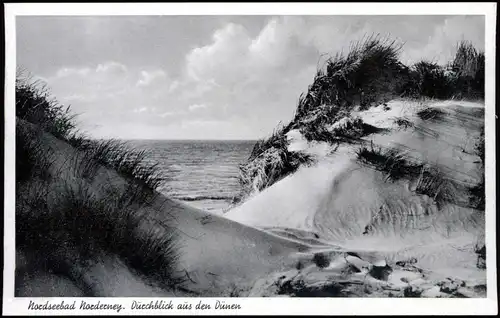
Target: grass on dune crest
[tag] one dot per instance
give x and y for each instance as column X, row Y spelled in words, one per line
column 461, row 78
column 361, row 77
column 120, row 157
column 369, row 74
column 35, row 105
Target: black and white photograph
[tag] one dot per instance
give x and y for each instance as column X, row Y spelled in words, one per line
column 228, row 156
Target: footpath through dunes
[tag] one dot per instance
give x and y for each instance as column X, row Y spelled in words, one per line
column 348, row 203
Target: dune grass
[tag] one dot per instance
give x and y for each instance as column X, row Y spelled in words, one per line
column 461, row 78
column 32, row 160
column 429, row 180
column 74, row 218
column 370, row 73
column 35, row 105
column 271, row 161
column 123, row 159
column 433, row 183
column 65, row 220
column 366, row 75
column 345, row 130
column 403, row 123
column 390, row 161
column 431, row 113
column 361, row 77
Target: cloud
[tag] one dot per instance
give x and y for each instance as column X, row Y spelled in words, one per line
column 66, row 72
column 109, row 91
column 239, row 79
column 442, row 44
column 252, row 77
column 223, row 58
column 140, row 110
column 262, row 75
column 197, row 106
column 151, row 77
column 87, row 83
column 167, row 114
column 111, row 68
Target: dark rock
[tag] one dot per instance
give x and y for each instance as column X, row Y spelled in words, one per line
column 299, row 265
column 412, row 291
column 404, row 263
column 321, row 260
column 381, row 271
column 480, row 289
column 450, row 285
column 481, row 257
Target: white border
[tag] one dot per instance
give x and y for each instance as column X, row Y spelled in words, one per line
column 305, row 306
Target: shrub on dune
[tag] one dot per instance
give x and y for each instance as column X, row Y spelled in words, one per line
column 462, row 78
column 468, row 67
column 427, row 79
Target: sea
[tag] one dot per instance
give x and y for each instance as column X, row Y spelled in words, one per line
column 202, row 173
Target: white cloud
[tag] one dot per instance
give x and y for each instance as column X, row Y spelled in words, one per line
column 151, row 77
column 65, row 72
column 111, row 67
column 140, row 110
column 223, row 58
column 245, row 76
column 167, row 114
column 442, row 44
column 196, row 107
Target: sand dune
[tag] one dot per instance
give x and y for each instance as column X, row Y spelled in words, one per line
column 339, row 198
column 328, row 226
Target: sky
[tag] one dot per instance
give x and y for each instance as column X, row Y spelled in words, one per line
column 206, row 77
